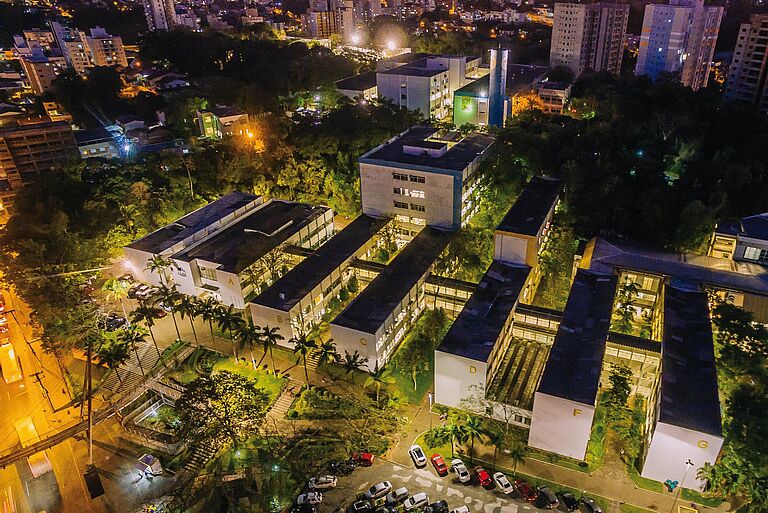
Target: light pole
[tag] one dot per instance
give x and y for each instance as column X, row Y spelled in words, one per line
column 430, row 409
column 688, row 466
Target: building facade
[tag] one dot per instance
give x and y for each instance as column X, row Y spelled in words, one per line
column 679, row 38
column 160, row 14
column 106, row 49
column 589, row 36
column 748, row 73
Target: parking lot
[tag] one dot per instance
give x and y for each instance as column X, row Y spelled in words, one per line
column 472, row 495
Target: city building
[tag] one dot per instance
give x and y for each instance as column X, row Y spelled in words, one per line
column 73, row 45
column 297, row 301
column 232, row 247
column 41, row 70
column 106, row 50
column 43, row 38
column 679, row 38
column 97, row 142
column 743, row 241
column 377, row 320
column 471, row 103
column 359, row 86
column 160, row 14
column 553, row 96
column 748, row 72
column 424, row 176
column 589, row 36
column 29, row 147
column 223, row 121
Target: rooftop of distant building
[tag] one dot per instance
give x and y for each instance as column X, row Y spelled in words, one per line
column 361, row 82
column 532, row 206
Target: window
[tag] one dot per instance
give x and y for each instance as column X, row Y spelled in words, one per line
column 208, row 274
column 418, row 208
column 400, row 204
column 418, row 179
column 400, row 176
column 756, row 254
column 397, row 190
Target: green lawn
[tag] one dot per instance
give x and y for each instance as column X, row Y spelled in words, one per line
column 267, row 381
column 628, row 508
column 694, row 496
column 646, row 484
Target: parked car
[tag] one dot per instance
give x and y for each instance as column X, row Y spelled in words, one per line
column 322, row 482
column 113, row 322
column 360, row 506
column 503, row 483
column 525, row 490
column 310, row 498
column 547, row 498
column 568, row 500
column 461, row 470
column 439, row 464
column 364, row 459
column 378, row 490
column 127, row 277
column 417, row 501
column 159, row 313
column 483, row 477
column 397, row 496
column 304, row 508
column 590, row 506
column 437, row 507
column 460, row 509
column 418, row 456
column 342, row 468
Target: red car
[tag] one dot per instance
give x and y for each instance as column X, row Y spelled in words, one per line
column 439, row 464
column 525, row 490
column 484, row 478
column 364, row 459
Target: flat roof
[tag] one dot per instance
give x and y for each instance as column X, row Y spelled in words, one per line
column 689, row 392
column 523, row 76
column 755, row 227
column 379, row 299
column 91, row 136
column 361, row 82
column 457, row 158
column 532, row 206
column 604, row 255
column 415, row 69
column 286, row 292
column 162, row 239
column 576, row 359
column 476, row 88
column 252, row 236
column 476, row 329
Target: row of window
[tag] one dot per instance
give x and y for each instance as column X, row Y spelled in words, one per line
column 406, row 178
column 412, row 206
column 413, row 193
column 756, row 254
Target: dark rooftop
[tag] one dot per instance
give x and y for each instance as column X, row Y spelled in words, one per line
column 523, row 76
column 560, row 86
column 457, row 158
column 92, row 136
column 225, row 111
column 415, row 69
column 378, row 300
column 359, row 82
column 532, row 206
column 286, row 292
column 689, row 393
column 254, row 235
column 196, row 221
column 755, row 227
column 573, row 368
column 477, row 87
column 476, row 329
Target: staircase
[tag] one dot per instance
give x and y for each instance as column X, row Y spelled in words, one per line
column 284, row 402
column 202, row 454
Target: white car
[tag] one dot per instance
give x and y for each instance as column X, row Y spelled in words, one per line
column 378, row 490
column 322, row 482
column 310, row 498
column 461, row 470
column 460, row 509
column 503, row 483
column 418, row 456
column 397, row 496
column 417, row 501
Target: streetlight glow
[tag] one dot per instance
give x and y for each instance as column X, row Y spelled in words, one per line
column 355, row 39
column 391, row 45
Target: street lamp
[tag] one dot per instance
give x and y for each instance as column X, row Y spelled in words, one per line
column 355, row 39
column 391, row 45
column 688, row 466
column 430, row 409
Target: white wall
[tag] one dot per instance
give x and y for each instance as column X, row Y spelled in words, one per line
column 184, row 277
column 266, row 316
column 509, row 249
column 671, row 446
column 454, row 377
column 560, row 425
column 136, row 261
column 351, row 340
column 230, row 290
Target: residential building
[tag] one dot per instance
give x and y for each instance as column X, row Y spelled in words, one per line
column 160, row 14
column 553, row 96
column 97, row 142
column 679, row 38
column 73, row 45
column 297, row 301
column 230, row 248
column 359, row 86
column 743, row 241
column 223, row 121
column 377, row 320
column 42, row 38
column 41, row 70
column 589, row 36
column 29, row 147
column 106, row 50
column 424, row 176
column 748, row 73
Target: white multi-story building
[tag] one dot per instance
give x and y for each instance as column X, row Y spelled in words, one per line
column 161, row 14
column 74, row 46
column 589, row 36
column 106, row 49
column 748, row 72
column 679, row 38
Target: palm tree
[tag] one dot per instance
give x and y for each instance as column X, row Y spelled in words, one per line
column 517, row 454
column 158, row 264
column 474, row 430
column 187, row 307
column 147, row 315
column 326, row 352
column 711, row 474
column 113, row 353
column 169, row 297
column 270, row 337
column 302, row 347
column 457, row 434
column 379, row 376
column 353, row 362
column 497, row 439
column 116, row 289
column 249, row 335
column 229, row 320
column 132, row 336
column 208, row 308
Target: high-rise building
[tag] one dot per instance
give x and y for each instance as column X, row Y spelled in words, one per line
column 106, row 50
column 679, row 38
column 41, row 70
column 161, row 14
column 73, row 45
column 749, row 68
column 589, row 36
